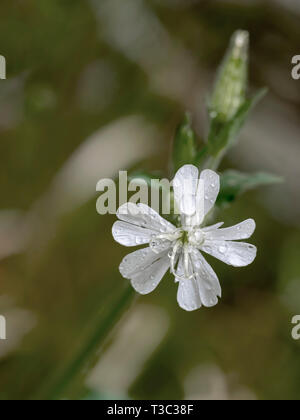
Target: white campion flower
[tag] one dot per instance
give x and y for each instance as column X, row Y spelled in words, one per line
column 180, row 249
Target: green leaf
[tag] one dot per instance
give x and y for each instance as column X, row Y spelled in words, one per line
column 184, row 149
column 223, row 136
column 234, row 183
column 201, row 156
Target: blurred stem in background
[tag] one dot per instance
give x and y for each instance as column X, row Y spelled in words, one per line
column 59, row 383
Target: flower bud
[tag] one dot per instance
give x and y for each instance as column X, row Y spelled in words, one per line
column 231, row 85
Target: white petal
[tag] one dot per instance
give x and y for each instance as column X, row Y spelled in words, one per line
column 237, row 254
column 185, row 186
column 143, row 216
column 131, row 235
column 211, row 189
column 147, row 280
column 241, row 231
column 198, row 218
column 212, row 227
column 160, row 245
column 208, row 283
column 188, row 295
column 138, row 261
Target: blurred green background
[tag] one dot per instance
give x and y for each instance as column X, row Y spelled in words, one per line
column 98, row 86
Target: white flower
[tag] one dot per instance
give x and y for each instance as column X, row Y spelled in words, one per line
column 180, row 249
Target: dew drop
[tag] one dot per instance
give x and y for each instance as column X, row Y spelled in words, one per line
column 222, row 249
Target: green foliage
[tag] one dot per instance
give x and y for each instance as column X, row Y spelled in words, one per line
column 224, row 136
column 184, row 148
column 229, row 110
column 230, row 89
column 234, row 184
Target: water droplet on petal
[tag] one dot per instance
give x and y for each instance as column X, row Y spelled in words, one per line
column 223, row 249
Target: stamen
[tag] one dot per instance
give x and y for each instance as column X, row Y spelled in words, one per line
column 173, row 256
column 186, row 257
column 186, row 261
column 158, row 240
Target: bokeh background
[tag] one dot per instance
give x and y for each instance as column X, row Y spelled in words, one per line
column 98, row 86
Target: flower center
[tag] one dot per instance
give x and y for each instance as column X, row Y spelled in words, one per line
column 181, row 242
column 161, row 242
column 196, row 237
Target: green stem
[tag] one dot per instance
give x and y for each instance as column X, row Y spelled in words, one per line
column 64, row 379
column 214, row 162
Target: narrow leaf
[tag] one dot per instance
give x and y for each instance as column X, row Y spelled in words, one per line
column 234, row 183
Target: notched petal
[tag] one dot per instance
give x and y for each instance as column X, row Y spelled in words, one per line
column 137, row 261
column 144, row 216
column 185, row 186
column 211, row 188
column 188, row 296
column 128, row 235
column 237, row 254
column 208, row 282
column 243, row 230
column 147, row 280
